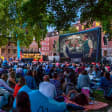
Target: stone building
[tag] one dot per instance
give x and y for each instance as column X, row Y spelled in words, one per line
column 33, row 46
column 9, row 50
column 31, row 52
column 49, row 46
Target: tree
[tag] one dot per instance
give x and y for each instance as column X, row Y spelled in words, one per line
column 9, row 25
column 63, row 13
column 19, row 29
column 57, row 13
column 36, row 17
column 67, row 11
column 71, row 29
column 18, row 24
column 4, row 20
column 97, row 10
column 38, row 14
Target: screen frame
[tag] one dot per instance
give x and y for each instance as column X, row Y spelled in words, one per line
column 98, row 52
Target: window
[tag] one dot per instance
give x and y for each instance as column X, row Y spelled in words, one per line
column 47, row 39
column 53, row 34
column 47, row 48
column 14, row 51
column 9, row 51
column 44, row 48
column 44, row 43
column 105, row 52
column 105, row 40
column 3, row 50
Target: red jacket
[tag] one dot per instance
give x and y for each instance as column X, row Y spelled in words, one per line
column 16, row 89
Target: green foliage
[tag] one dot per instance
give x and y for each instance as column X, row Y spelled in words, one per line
column 15, row 13
column 63, row 13
column 71, row 29
column 98, row 10
column 3, row 40
column 36, row 17
column 3, row 23
column 38, row 14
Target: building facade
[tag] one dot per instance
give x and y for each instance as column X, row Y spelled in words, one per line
column 9, row 51
column 49, row 46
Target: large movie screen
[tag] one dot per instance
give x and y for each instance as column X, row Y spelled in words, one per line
column 85, row 45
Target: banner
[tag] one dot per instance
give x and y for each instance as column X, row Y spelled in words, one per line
column 18, row 49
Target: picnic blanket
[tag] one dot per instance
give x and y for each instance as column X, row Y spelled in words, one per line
column 95, row 106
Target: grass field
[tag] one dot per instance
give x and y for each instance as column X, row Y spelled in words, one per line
column 99, row 96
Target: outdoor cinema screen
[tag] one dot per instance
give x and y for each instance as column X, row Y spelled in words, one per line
column 84, row 45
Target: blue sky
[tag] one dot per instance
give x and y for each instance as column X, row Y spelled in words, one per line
column 50, row 28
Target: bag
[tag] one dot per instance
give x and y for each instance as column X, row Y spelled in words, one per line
column 86, row 91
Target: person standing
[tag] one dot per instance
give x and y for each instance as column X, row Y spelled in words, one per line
column 87, row 46
column 66, row 49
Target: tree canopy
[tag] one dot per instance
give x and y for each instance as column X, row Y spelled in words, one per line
column 25, row 19
column 68, row 11
column 97, row 10
column 71, row 29
column 20, row 23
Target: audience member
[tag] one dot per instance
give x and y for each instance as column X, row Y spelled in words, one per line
column 46, row 88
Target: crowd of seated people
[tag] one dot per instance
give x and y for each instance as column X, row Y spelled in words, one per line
column 46, row 86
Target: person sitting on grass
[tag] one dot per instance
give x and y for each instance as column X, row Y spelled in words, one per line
column 83, row 80
column 55, row 81
column 79, row 98
column 22, row 103
column 40, row 102
column 3, row 83
column 12, row 80
column 47, row 88
column 30, row 81
column 106, row 85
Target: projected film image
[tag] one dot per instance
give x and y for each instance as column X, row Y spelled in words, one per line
column 83, row 45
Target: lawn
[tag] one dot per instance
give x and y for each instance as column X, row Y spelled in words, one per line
column 99, row 96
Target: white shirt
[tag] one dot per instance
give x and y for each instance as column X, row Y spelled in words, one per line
column 19, row 70
column 90, row 43
column 64, row 50
column 47, row 89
